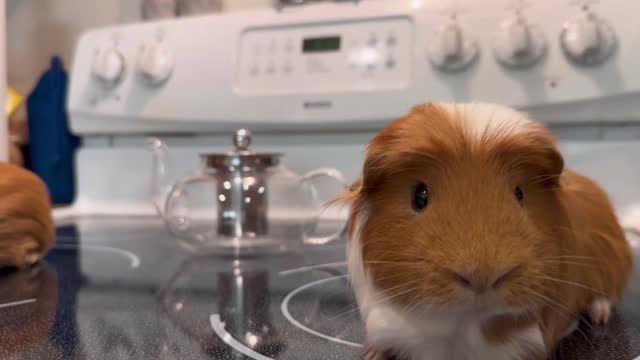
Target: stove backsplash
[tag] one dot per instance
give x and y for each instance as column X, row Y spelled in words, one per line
column 120, row 167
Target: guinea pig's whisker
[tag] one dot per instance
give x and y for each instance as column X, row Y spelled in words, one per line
column 584, row 321
column 559, row 302
column 392, row 262
column 415, row 299
column 550, row 302
column 388, row 290
column 578, row 329
column 384, row 292
column 575, row 258
column 353, row 309
column 567, row 262
column 406, row 254
column 353, row 305
column 390, row 276
column 395, row 287
column 396, row 295
column 557, row 306
column 550, row 278
column 411, row 308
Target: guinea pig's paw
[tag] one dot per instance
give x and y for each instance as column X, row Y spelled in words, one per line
column 600, row 310
column 372, row 354
column 19, row 252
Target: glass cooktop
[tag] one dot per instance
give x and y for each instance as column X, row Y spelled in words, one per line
column 126, row 290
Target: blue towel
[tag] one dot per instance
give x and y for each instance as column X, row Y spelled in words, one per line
column 51, row 144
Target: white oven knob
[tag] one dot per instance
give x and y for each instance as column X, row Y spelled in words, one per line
column 109, row 66
column 519, row 44
column 587, row 40
column 156, row 63
column 451, row 50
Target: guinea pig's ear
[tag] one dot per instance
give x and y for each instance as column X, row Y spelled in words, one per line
column 546, row 165
column 536, row 155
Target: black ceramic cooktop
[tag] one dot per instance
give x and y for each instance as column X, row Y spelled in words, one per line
column 125, row 290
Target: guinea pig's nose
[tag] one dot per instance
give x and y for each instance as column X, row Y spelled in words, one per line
column 479, row 283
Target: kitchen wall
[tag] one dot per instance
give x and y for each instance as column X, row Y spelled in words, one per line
column 37, row 29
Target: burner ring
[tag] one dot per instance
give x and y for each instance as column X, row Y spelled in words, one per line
column 134, row 260
column 285, row 311
column 17, row 303
column 218, row 327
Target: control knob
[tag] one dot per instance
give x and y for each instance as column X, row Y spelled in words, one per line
column 156, row 63
column 109, row 66
column 587, row 40
column 452, row 50
column 519, row 44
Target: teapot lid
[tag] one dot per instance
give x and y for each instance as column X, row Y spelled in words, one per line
column 241, row 158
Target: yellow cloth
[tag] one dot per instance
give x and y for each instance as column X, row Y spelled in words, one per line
column 14, row 99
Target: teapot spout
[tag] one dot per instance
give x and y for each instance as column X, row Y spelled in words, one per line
column 158, row 184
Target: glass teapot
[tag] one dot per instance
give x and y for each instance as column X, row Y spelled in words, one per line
column 241, row 201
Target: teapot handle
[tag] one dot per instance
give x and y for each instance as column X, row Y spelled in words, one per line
column 339, row 177
column 179, row 226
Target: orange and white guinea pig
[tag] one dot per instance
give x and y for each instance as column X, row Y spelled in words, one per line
column 469, row 239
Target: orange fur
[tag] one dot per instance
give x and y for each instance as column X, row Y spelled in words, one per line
column 27, row 230
column 563, row 246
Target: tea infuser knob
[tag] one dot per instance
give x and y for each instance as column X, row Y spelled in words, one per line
column 242, row 139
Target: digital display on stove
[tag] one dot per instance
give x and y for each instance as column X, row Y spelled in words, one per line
column 321, row 44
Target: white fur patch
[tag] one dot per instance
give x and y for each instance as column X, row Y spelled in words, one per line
column 436, row 336
column 483, row 118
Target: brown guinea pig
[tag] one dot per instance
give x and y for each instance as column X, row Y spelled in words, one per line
column 27, row 230
column 470, row 240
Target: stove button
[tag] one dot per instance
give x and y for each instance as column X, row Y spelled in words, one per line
column 390, row 63
column 391, row 40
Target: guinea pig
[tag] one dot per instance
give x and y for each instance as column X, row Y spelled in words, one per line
column 468, row 238
column 27, row 229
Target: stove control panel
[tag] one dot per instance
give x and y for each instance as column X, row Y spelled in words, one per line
column 354, row 65
column 368, row 55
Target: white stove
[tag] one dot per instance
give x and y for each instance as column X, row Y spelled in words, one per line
column 316, row 82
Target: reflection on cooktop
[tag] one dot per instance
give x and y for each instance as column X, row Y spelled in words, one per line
column 129, row 292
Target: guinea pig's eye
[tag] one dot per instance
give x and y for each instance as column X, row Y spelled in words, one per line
column 519, row 194
column 420, row 197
